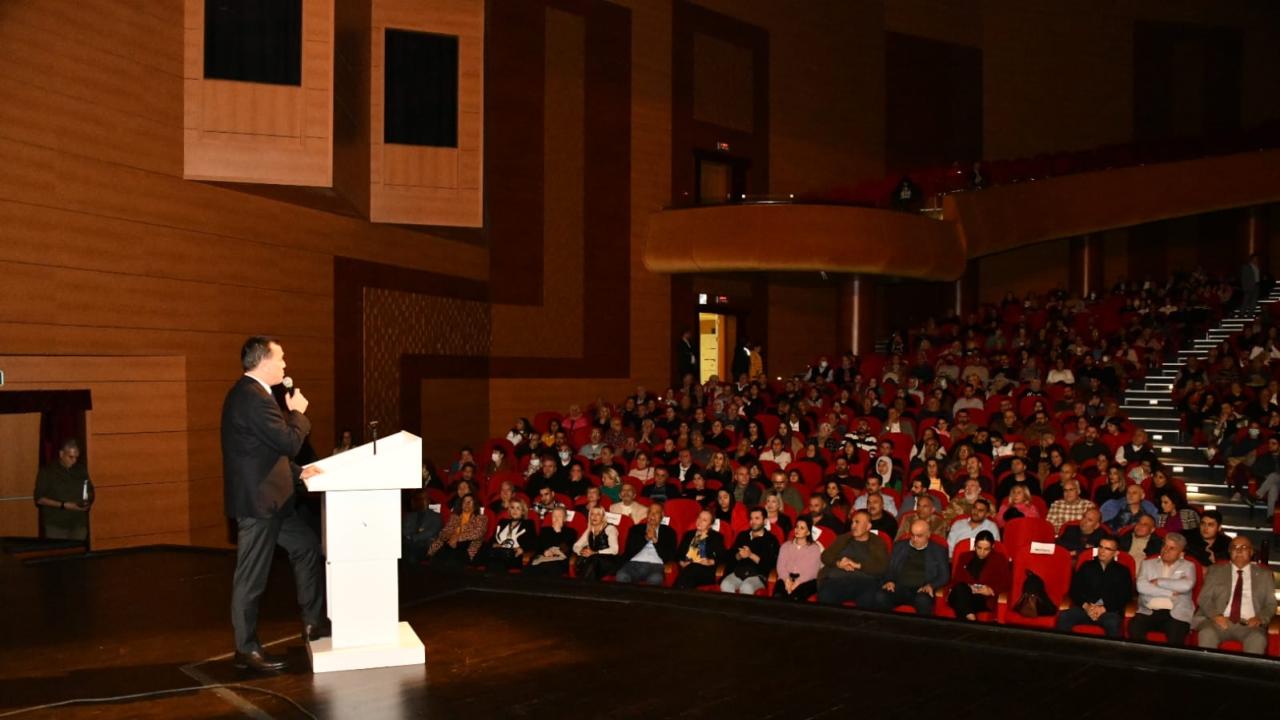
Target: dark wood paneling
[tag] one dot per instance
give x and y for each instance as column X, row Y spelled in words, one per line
column 688, row 134
column 513, row 135
column 933, row 103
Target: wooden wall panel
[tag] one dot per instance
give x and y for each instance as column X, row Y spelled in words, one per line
column 554, row 327
column 1034, row 268
column 256, row 132
column 106, row 250
column 137, row 436
column 19, row 462
column 802, row 324
column 426, row 185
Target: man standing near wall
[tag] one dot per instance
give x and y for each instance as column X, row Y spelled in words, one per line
column 64, row 495
column 1250, row 279
column 258, row 442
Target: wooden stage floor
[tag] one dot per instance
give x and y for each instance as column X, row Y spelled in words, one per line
column 141, row 621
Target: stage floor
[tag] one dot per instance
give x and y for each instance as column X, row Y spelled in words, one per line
column 141, row 621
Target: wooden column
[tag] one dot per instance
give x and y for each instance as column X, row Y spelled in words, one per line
column 1086, row 272
column 857, row 299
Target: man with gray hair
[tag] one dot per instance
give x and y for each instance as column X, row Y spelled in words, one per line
column 1164, row 594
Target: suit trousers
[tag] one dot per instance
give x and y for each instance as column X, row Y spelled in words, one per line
column 1254, row 640
column 256, row 543
column 1159, row 621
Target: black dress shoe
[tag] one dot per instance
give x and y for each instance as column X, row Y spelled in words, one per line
column 259, row 661
column 311, row 633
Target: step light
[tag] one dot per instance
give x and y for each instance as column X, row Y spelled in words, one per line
column 1177, row 469
column 1166, row 448
column 1193, row 488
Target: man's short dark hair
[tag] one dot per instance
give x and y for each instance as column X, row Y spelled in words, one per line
column 1215, row 514
column 757, row 509
column 255, row 350
column 982, row 501
column 69, row 444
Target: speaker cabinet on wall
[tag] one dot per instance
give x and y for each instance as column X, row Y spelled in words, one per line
column 258, row 91
column 426, row 149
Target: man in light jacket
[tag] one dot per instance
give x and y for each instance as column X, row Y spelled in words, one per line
column 1164, row 594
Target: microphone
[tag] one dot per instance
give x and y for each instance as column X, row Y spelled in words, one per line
column 288, row 385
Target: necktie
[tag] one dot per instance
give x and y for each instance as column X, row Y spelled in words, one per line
column 1237, row 596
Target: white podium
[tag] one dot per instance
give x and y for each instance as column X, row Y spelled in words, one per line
column 361, row 528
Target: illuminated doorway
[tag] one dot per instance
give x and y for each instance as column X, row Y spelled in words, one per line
column 716, row 335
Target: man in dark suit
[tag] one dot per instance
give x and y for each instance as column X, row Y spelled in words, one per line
column 258, row 444
column 687, row 357
column 1250, row 279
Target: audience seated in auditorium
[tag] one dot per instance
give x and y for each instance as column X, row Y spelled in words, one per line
column 836, row 433
column 555, row 545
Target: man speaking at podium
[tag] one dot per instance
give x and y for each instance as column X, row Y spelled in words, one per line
column 258, row 444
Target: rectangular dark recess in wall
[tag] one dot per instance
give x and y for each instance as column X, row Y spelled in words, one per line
column 421, row 83
column 253, row 41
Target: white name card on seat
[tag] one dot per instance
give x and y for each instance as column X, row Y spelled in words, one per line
column 568, row 515
column 715, row 524
column 612, row 518
column 666, row 520
column 435, row 507
column 1039, row 548
column 815, row 533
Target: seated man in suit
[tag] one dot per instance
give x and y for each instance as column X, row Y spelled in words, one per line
column 917, row 568
column 1237, row 601
column 1164, row 594
column 650, row 545
column 1099, row 591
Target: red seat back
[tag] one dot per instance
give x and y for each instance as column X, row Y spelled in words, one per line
column 1019, row 533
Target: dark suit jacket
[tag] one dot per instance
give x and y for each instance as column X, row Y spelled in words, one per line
column 666, row 545
column 258, row 442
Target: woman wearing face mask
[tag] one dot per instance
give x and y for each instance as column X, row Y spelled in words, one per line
column 497, row 462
